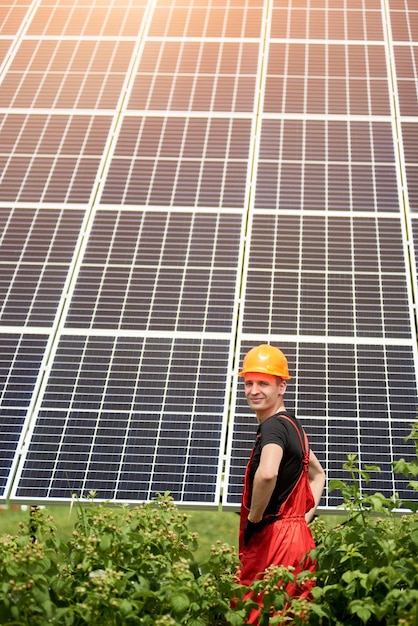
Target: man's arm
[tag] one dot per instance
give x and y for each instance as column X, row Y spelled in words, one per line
column 265, row 480
column 317, row 481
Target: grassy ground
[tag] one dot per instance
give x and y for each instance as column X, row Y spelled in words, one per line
column 210, row 525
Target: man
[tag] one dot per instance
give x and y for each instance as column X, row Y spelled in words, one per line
column 283, row 481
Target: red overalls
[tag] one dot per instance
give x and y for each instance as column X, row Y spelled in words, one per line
column 285, row 541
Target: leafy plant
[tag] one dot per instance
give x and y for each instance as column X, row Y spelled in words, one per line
column 136, row 567
column 122, row 566
column 410, row 468
column 26, row 569
column 368, row 565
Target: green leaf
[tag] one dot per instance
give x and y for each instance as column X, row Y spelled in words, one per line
column 351, row 553
column 334, row 483
column 375, row 574
column 350, row 575
column 361, row 609
column 363, row 613
column 378, row 501
column 236, row 618
column 318, row 610
column 180, row 602
column 105, row 542
column 372, row 468
column 125, row 606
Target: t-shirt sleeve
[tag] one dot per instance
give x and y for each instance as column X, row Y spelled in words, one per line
column 274, row 431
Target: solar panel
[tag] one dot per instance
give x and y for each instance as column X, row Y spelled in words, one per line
column 158, row 271
column 199, row 163
column 327, row 257
column 179, row 182
column 36, row 250
column 342, row 395
column 130, row 418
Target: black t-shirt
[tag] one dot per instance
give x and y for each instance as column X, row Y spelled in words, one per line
column 280, row 431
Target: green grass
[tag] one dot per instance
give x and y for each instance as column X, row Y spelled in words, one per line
column 211, row 526
column 64, row 518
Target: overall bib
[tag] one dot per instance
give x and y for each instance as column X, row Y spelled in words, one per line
column 285, row 540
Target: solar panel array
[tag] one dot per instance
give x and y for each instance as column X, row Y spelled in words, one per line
column 181, row 181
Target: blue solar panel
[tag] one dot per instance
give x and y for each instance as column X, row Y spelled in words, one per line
column 130, row 418
column 342, row 395
column 178, row 182
column 21, row 360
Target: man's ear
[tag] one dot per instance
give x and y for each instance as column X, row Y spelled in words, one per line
column 282, row 385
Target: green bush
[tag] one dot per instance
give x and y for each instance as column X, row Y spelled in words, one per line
column 136, row 566
column 122, row 566
column 367, row 566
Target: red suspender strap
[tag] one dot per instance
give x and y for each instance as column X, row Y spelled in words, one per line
column 304, row 442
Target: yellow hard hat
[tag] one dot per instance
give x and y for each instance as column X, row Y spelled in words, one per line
column 265, row 359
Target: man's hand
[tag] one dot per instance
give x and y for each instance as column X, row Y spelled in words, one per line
column 250, row 528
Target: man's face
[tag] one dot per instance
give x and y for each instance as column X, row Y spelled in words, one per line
column 264, row 393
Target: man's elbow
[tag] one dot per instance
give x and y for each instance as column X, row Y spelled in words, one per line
column 267, row 475
column 321, row 477
column 316, row 472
